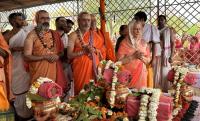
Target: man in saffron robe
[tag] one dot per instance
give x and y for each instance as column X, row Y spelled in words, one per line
column 107, row 51
column 42, row 50
column 5, row 75
column 83, row 51
column 100, row 37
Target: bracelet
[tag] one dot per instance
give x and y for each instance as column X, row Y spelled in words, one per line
column 80, row 53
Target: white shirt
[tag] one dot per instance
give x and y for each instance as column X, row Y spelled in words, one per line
column 151, row 33
column 64, row 39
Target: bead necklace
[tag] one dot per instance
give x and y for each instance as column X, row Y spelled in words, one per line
column 41, row 38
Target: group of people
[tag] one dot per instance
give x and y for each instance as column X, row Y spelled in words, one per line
column 146, row 51
column 29, row 52
column 188, row 42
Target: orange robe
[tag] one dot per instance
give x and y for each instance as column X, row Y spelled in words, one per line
column 101, row 46
column 82, row 66
column 44, row 68
column 106, row 47
column 135, row 66
column 5, row 76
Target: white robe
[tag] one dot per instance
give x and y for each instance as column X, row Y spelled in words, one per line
column 167, row 42
column 166, row 53
column 64, row 39
column 20, row 78
column 151, row 33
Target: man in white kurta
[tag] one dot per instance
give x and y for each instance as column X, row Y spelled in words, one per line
column 167, row 45
column 20, row 77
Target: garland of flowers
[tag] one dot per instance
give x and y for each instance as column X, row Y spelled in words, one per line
column 114, row 81
column 151, row 101
column 34, row 89
column 143, row 107
column 99, row 69
column 115, row 66
column 180, row 73
column 153, row 105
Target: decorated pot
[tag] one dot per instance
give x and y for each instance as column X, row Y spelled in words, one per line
column 45, row 110
column 122, row 93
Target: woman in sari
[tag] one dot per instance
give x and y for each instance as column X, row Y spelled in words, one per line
column 134, row 54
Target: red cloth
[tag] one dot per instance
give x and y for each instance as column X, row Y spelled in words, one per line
column 107, row 75
column 124, row 76
column 190, row 78
column 61, row 79
column 50, row 90
column 164, row 109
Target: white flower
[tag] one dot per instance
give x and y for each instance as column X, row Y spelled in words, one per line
column 143, row 107
column 153, row 105
column 113, row 93
column 82, row 91
column 109, row 112
column 149, row 90
column 97, row 97
column 142, row 90
column 57, row 100
column 125, row 119
column 43, row 79
column 33, row 90
column 108, row 64
column 88, row 99
column 91, row 80
column 99, row 73
column 114, row 79
column 28, row 102
column 116, row 69
column 118, row 63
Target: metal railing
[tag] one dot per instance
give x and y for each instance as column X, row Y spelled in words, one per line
column 183, row 15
